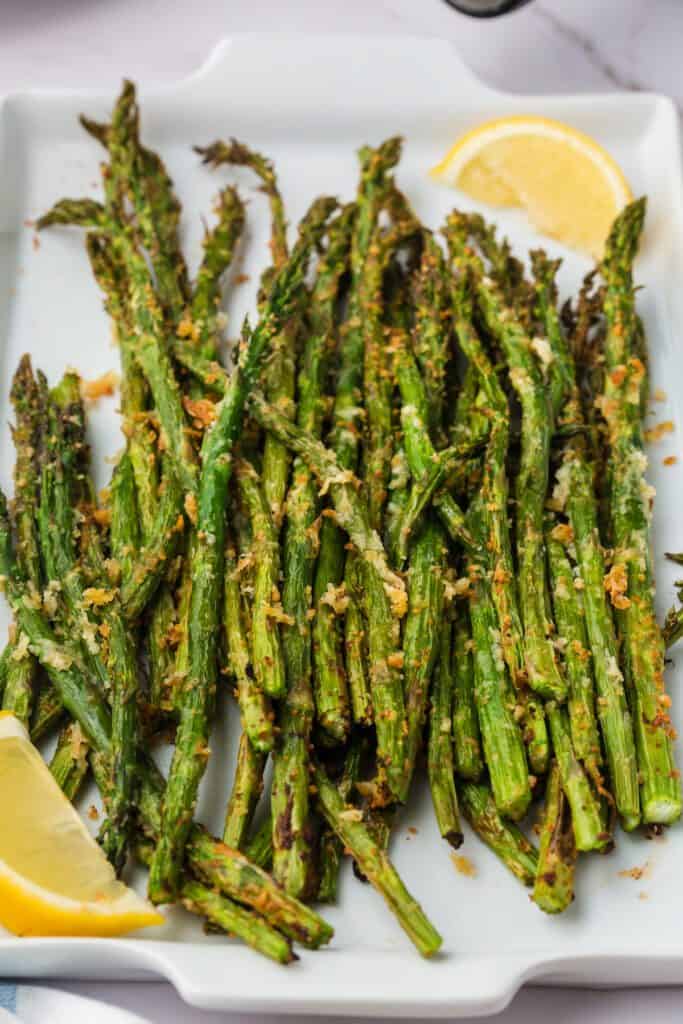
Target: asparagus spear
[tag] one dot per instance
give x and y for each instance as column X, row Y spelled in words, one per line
column 419, row 448
column 554, row 885
column 502, row 742
column 246, row 790
column 466, row 734
column 422, row 494
column 589, row 829
column 575, row 487
column 196, row 699
column 375, row 865
column 331, row 847
column 290, row 806
column 218, row 251
column 507, row 842
column 421, row 635
column 266, row 646
column 228, row 916
column 355, row 642
column 4, row 664
column 495, row 499
column 571, row 628
column 331, row 696
column 48, row 712
column 144, row 576
column 259, row 849
column 280, row 370
column 431, row 331
column 377, row 384
column 531, row 485
column 28, row 399
column 139, row 174
column 373, row 188
column 292, row 834
column 69, row 763
column 640, row 637
column 255, row 711
column 440, row 761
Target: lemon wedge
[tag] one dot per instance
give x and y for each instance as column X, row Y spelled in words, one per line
column 569, row 185
column 54, row 878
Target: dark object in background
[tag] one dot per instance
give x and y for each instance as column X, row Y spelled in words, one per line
column 486, row 8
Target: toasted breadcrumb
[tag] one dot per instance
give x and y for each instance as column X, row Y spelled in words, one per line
column 100, row 387
column 97, row 596
column 463, row 865
column 659, row 431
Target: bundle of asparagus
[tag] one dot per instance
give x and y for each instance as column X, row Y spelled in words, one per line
column 412, row 517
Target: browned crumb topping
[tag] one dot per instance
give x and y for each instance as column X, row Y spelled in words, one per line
column 659, row 431
column 463, row 865
column 190, row 506
column 638, row 872
column 97, row 596
column 100, row 387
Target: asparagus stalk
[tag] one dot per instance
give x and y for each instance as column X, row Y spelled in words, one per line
column 640, row 637
column 507, row 842
column 329, row 680
column 331, row 847
column 440, row 760
column 218, row 251
column 292, row 852
column 266, row 645
column 575, row 487
column 588, row 825
column 69, row 763
column 554, row 885
column 466, row 734
column 377, row 384
column 355, row 642
column 47, row 713
column 495, row 499
column 246, row 790
column 431, row 331
column 259, row 849
column 375, row 865
column 280, row 370
column 228, row 916
column 502, row 741
column 29, row 400
column 571, row 627
column 373, row 188
column 421, row 635
column 255, row 711
column 531, row 489
column 292, row 834
column 139, row 174
column 196, row 699
column 419, row 448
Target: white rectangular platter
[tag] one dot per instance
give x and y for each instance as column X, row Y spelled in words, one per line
column 309, row 103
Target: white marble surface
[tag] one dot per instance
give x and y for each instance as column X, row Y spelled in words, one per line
column 550, row 46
